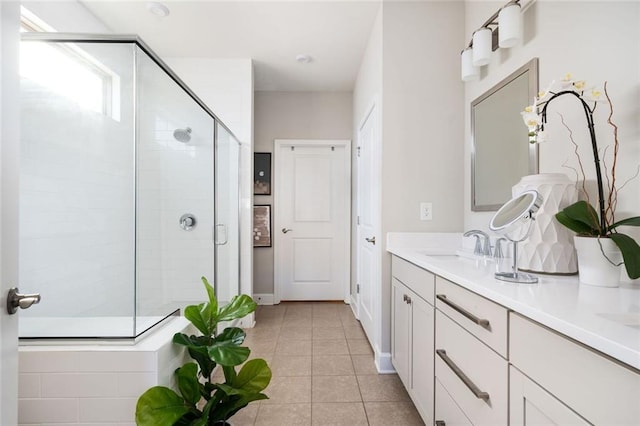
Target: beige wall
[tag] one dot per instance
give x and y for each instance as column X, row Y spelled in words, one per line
column 293, row 115
column 411, row 66
column 596, row 41
column 422, row 137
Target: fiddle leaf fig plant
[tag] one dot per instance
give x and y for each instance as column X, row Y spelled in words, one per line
column 199, row 401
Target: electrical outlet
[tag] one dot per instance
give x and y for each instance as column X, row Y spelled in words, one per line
column 426, row 211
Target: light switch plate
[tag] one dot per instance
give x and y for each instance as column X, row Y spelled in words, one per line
column 426, row 211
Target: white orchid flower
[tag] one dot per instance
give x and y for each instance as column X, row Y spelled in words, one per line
column 579, row 85
column 566, row 83
column 531, row 119
column 594, row 94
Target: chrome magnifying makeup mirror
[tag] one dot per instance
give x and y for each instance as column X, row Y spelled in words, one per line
column 513, row 220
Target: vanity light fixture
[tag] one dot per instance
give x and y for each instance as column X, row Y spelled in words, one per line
column 469, row 71
column 482, row 46
column 510, row 21
column 503, row 29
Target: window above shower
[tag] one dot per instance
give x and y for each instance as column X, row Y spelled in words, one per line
column 71, row 71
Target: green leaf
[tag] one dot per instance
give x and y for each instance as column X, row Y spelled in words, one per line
column 197, row 347
column 191, row 341
column 238, row 307
column 229, row 374
column 188, row 384
column 581, row 212
column 201, row 317
column 236, row 403
column 235, row 335
column 228, row 354
column 213, row 301
column 631, row 221
column 630, row 253
column 201, row 356
column 254, row 376
column 574, row 225
column 159, row 406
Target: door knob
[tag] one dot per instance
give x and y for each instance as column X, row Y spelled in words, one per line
column 16, row 300
column 371, row 240
column 285, row 230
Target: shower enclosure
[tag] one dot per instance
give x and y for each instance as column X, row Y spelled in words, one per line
column 129, row 189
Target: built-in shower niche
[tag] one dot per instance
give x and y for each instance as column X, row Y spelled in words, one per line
column 115, row 150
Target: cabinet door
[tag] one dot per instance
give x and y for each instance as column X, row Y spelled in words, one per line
column 422, row 374
column 532, row 405
column 400, row 331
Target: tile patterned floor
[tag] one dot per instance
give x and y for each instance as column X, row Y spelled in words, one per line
column 323, row 371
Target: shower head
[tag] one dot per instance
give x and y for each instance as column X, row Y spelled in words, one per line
column 182, row 135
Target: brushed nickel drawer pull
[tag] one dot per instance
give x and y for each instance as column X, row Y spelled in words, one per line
column 480, row 321
column 472, row 387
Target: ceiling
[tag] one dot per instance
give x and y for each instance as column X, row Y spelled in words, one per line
column 333, row 33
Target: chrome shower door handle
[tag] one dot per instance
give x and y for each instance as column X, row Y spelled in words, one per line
column 371, row 240
column 285, row 230
column 223, row 227
column 16, row 300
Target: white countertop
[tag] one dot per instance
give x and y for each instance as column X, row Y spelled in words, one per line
column 606, row 319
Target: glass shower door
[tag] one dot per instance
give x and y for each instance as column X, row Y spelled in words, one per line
column 175, row 196
column 227, row 282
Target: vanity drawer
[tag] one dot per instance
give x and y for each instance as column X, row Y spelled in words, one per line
column 482, row 318
column 414, row 277
column 474, row 375
column 601, row 390
column 447, row 411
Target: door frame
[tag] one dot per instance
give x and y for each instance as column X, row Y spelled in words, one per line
column 276, row 236
column 9, row 172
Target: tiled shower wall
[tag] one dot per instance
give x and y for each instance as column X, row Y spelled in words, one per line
column 77, row 199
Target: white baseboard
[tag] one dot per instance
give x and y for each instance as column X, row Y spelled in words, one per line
column 355, row 307
column 248, row 321
column 383, row 363
column 263, row 298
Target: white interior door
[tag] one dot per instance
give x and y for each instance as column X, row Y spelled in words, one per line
column 368, row 234
column 312, row 227
column 9, row 134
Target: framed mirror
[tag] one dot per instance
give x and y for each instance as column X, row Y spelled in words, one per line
column 500, row 150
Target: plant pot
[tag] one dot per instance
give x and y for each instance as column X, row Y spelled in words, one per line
column 594, row 268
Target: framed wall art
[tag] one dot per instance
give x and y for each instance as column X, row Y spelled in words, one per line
column 262, row 225
column 262, row 173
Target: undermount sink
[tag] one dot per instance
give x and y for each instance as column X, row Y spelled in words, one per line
column 459, row 253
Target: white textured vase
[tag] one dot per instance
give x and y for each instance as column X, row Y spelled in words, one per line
column 549, row 248
column 595, row 268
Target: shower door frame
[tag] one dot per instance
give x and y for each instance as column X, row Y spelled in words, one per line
column 136, row 40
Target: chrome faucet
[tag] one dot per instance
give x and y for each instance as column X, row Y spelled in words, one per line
column 497, row 251
column 481, row 248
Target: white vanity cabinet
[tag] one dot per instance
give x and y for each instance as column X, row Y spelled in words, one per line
column 555, row 380
column 412, row 333
column 467, row 360
column 470, row 330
